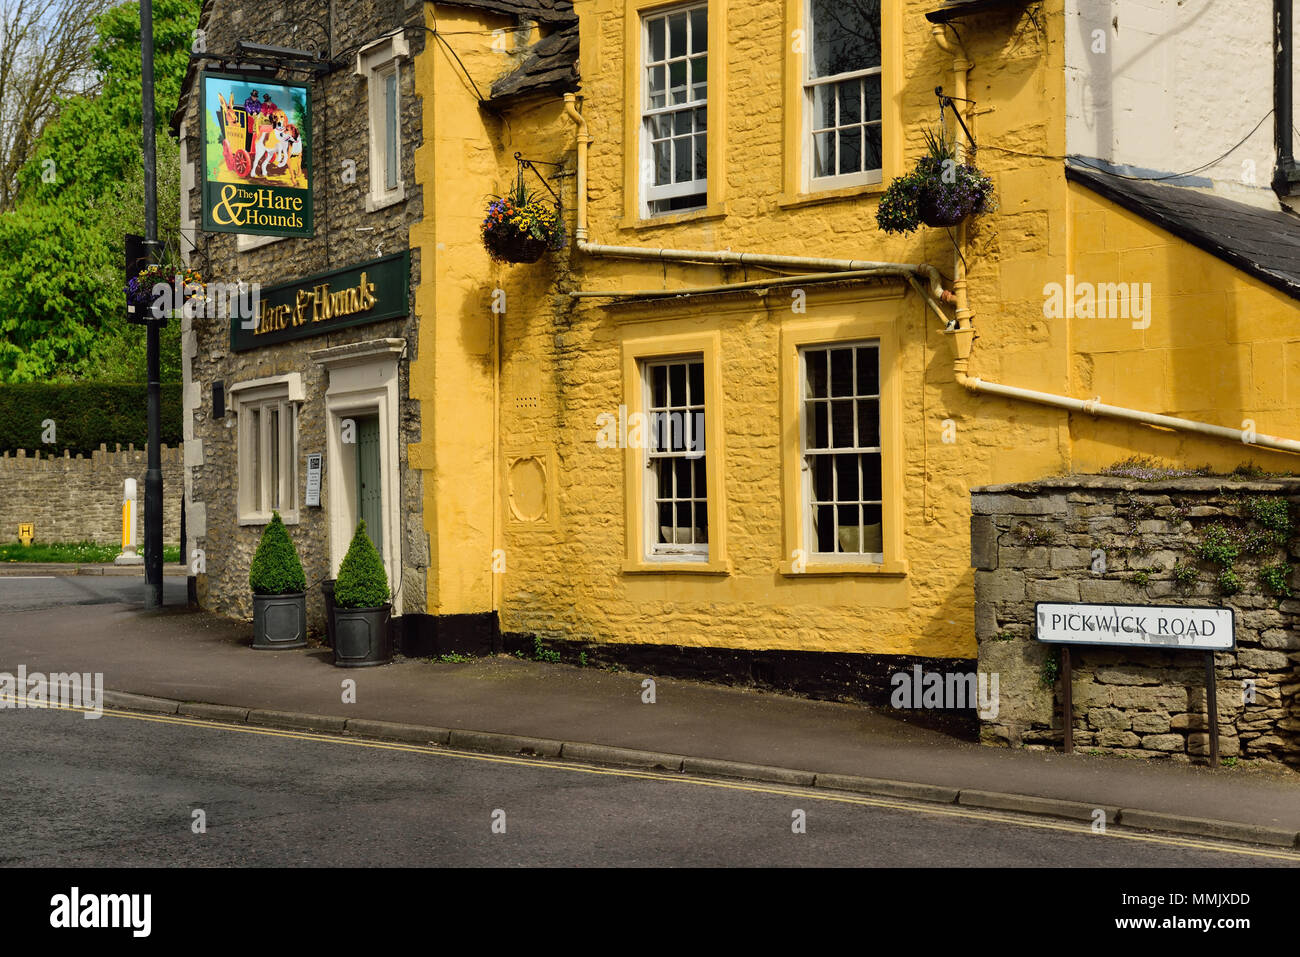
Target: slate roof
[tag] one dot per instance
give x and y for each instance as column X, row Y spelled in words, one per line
column 552, row 65
column 550, row 12
column 956, row 9
column 1262, row 242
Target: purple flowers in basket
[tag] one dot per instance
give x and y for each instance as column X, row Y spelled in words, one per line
column 939, row 191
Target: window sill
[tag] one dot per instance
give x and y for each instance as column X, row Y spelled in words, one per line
column 721, row 567
column 375, row 203
column 798, row 200
column 704, row 214
column 264, row 518
column 246, row 244
column 889, row 569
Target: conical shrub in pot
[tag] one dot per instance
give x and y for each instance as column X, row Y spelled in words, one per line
column 279, row 590
column 361, row 606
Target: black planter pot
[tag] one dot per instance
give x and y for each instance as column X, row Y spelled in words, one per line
column 513, row 247
column 362, row 636
column 280, row 621
column 327, row 589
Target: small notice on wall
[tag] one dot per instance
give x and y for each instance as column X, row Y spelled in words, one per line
column 313, row 479
column 1149, row 626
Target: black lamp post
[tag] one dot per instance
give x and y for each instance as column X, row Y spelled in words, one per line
column 153, row 484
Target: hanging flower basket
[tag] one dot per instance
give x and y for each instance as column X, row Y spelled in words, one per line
column 938, row 192
column 520, row 228
column 140, row 291
column 506, row 244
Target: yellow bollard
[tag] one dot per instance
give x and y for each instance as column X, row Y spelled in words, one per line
column 128, row 556
column 26, row 532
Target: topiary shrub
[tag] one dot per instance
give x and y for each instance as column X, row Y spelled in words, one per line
column 362, row 582
column 275, row 569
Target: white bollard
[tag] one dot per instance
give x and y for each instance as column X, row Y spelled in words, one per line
column 128, row 556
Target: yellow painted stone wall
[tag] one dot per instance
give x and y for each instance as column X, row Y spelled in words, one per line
column 467, row 157
column 1222, row 346
column 559, row 529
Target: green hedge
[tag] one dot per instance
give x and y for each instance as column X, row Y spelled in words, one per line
column 85, row 414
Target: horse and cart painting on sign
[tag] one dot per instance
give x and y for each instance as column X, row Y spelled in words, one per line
column 256, row 155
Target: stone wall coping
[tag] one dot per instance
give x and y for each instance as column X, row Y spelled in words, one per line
column 101, row 460
column 1208, row 483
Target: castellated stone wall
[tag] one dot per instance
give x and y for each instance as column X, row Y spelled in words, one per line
column 1189, row 541
column 80, row 499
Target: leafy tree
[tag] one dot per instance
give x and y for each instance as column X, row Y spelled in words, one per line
column 44, row 55
column 62, row 265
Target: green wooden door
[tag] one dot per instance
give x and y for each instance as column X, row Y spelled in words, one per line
column 369, row 491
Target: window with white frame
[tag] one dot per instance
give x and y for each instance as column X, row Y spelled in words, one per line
column 842, row 97
column 676, row 488
column 268, row 453
column 380, row 63
column 388, row 136
column 841, row 451
column 674, row 108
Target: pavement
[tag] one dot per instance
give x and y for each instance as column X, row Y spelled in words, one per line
column 181, row 661
column 174, row 570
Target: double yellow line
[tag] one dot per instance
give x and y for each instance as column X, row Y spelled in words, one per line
column 813, row 794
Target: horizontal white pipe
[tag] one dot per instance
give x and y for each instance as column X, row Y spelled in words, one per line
column 741, row 259
column 817, row 277
column 1099, row 408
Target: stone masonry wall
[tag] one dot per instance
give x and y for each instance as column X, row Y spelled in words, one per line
column 80, row 499
column 1222, row 542
column 345, row 233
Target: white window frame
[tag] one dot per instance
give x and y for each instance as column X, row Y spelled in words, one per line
column 376, row 62
column 651, row 193
column 806, row 503
column 690, row 441
column 256, row 490
column 865, row 177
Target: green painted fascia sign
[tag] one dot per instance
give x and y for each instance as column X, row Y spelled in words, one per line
column 314, row 305
column 255, row 155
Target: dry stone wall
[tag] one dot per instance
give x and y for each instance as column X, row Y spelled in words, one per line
column 1185, row 541
column 79, row 499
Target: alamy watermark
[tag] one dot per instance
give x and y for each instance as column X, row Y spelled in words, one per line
column 947, row 690
column 212, row 300
column 1105, row 300
column 659, row 431
column 81, row 690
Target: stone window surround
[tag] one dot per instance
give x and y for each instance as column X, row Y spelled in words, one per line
column 872, row 317
column 363, row 380
column 288, row 389
column 374, row 62
column 637, row 349
column 798, row 188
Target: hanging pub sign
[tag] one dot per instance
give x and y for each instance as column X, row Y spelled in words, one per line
column 314, row 305
column 255, row 155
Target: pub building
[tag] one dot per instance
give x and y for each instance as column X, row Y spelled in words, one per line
column 307, row 173
column 734, row 427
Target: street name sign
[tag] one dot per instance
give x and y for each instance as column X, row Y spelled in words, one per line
column 1142, row 626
